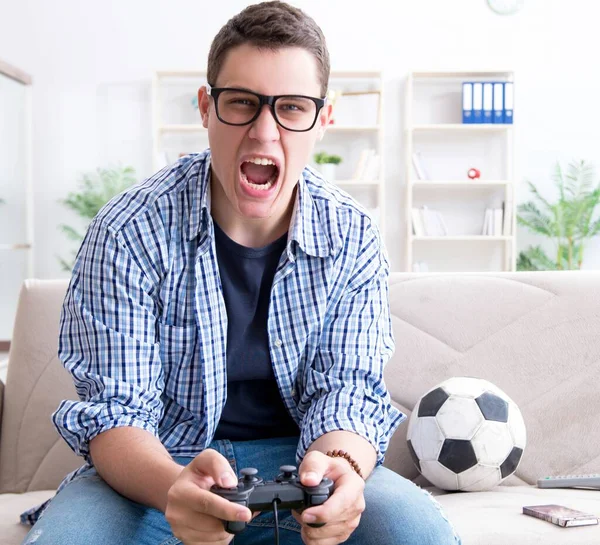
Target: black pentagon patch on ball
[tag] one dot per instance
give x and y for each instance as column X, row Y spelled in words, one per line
column 512, row 461
column 432, row 402
column 413, row 455
column 493, row 407
column 457, row 455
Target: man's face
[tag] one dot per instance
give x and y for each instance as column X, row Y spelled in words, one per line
column 281, row 72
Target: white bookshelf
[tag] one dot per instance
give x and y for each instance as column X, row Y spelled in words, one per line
column 16, row 189
column 433, row 127
column 176, row 127
column 175, row 121
column 358, row 113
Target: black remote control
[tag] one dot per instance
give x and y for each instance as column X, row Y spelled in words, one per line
column 286, row 489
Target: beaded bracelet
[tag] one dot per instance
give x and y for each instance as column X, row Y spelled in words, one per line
column 348, row 458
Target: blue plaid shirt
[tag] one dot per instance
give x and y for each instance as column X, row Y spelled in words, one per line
column 144, row 326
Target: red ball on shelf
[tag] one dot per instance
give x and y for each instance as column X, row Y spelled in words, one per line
column 473, row 173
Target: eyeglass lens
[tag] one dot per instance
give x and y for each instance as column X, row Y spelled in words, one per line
column 293, row 112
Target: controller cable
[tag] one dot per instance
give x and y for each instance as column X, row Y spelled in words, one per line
column 276, row 521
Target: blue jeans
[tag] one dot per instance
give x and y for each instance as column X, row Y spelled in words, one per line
column 88, row 511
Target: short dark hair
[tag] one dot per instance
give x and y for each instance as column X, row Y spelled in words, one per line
column 270, row 25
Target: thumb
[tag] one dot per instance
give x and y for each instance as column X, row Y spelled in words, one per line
column 210, row 463
column 313, row 468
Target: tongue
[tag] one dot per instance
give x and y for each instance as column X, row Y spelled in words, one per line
column 258, row 174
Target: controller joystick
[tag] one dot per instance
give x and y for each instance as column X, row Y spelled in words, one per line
column 288, row 473
column 286, row 491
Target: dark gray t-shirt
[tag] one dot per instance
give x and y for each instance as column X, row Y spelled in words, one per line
column 254, row 408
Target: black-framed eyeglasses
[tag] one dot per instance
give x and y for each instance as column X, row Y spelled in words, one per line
column 237, row 107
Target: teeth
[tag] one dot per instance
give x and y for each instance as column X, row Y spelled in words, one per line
column 260, row 161
column 262, row 187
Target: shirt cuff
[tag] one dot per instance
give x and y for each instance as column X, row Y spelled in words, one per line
column 79, row 422
column 347, row 410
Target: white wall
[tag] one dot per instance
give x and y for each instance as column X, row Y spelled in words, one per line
column 92, row 64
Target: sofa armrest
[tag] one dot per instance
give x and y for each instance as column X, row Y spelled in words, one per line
column 1, row 403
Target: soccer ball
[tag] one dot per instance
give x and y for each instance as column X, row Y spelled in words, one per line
column 466, row 434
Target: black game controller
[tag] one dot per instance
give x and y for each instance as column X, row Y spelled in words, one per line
column 286, row 490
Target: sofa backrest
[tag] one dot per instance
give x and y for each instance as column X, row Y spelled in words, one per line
column 32, row 455
column 536, row 335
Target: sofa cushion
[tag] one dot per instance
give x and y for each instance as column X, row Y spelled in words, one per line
column 11, row 506
column 495, row 517
column 534, row 335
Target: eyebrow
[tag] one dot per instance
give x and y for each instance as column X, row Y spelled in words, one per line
column 244, row 88
column 240, row 87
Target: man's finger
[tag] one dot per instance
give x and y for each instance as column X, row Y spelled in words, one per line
column 327, row 535
column 208, row 503
column 347, row 500
column 213, row 464
column 313, row 468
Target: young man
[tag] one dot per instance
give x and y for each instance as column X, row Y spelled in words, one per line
column 232, row 312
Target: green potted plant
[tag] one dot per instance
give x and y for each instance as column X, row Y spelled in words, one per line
column 327, row 164
column 94, row 190
column 569, row 223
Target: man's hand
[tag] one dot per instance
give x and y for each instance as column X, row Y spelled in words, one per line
column 342, row 511
column 196, row 514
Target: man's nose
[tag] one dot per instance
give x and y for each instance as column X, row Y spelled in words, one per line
column 264, row 127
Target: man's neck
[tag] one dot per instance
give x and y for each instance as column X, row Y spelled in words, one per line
column 249, row 232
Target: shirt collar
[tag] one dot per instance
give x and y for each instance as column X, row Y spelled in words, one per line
column 199, row 191
column 307, row 226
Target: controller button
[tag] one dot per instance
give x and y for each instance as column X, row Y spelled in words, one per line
column 319, row 499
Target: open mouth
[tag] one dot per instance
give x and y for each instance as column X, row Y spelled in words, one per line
column 259, row 173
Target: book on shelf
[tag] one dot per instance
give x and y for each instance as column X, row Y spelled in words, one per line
column 507, row 219
column 496, row 221
column 355, row 107
column 417, row 223
column 367, row 167
column 422, row 173
column 428, row 222
column 487, row 102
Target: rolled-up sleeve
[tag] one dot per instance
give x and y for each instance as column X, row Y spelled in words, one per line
column 345, row 381
column 108, row 343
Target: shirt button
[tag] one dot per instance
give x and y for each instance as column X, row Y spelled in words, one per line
column 278, row 343
column 293, row 392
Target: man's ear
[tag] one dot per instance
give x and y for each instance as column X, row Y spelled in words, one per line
column 203, row 105
column 324, row 118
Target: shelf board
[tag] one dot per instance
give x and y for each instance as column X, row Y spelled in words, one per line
column 356, row 182
column 460, row 183
column 10, row 247
column 484, row 127
column 186, row 127
column 462, row 73
column 470, row 238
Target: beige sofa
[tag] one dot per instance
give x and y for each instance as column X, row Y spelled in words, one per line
column 535, row 335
